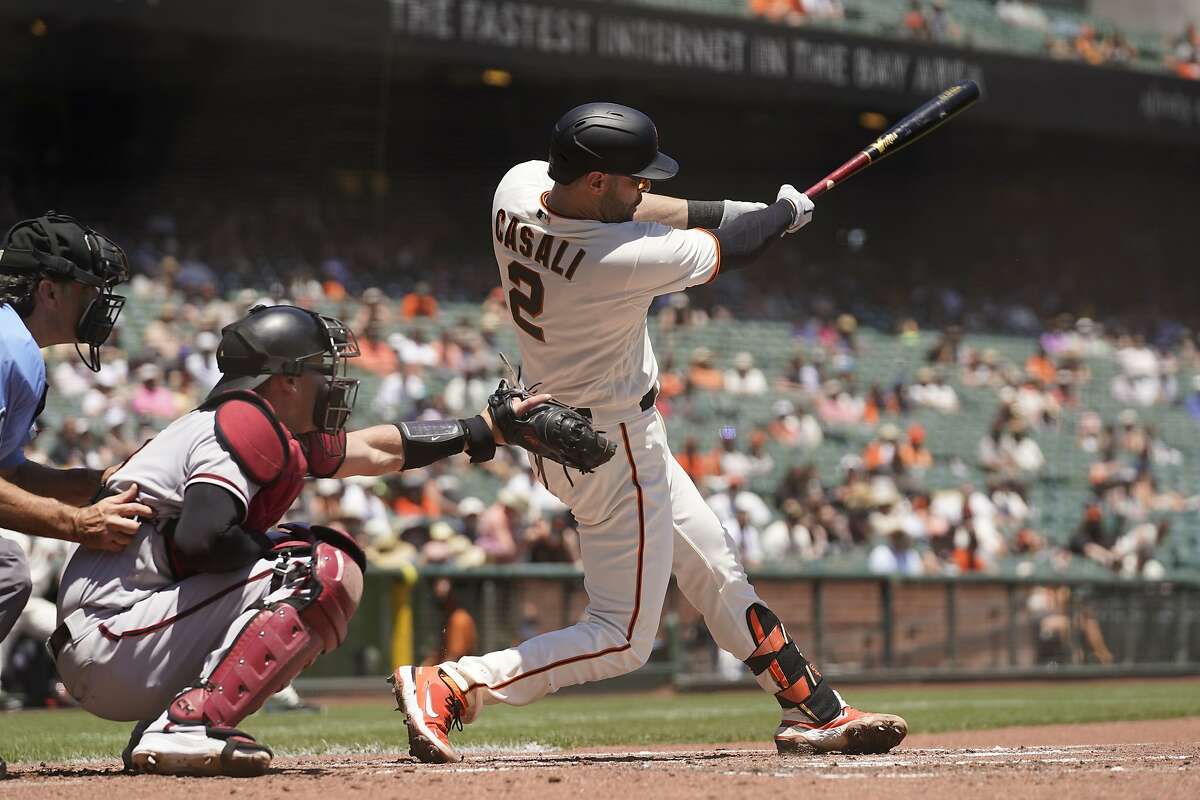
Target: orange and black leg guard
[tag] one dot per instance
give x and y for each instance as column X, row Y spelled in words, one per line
column 800, row 685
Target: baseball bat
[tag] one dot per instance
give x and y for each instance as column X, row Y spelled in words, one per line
column 953, row 101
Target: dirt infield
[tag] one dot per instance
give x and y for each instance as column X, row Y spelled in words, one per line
column 1137, row 759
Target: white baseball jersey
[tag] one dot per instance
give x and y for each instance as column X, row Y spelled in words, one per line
column 579, row 291
column 185, row 452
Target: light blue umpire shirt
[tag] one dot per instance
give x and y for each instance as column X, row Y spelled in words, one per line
column 22, row 387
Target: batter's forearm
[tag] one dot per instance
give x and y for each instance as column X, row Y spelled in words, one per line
column 75, row 487
column 686, row 214
column 670, row 211
column 36, row 516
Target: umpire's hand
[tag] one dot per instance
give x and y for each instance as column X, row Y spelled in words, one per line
column 110, row 524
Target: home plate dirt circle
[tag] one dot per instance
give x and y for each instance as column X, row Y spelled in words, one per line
column 1137, row 759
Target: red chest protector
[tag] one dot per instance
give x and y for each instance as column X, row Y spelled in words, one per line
column 267, row 452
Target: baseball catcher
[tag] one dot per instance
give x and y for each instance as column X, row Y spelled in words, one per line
column 214, row 607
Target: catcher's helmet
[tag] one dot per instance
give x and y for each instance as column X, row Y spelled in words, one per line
column 607, row 137
column 60, row 247
column 287, row 340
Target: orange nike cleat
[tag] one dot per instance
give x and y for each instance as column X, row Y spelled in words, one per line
column 431, row 706
column 851, row 731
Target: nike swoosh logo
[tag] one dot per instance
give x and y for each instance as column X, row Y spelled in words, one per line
column 429, row 703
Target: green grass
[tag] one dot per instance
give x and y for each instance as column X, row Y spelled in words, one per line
column 644, row 719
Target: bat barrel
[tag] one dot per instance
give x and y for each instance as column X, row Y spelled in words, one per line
column 941, row 109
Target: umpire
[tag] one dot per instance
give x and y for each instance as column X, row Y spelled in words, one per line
column 56, row 287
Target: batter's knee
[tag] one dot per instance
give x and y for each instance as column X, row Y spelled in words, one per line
column 635, row 655
column 640, row 649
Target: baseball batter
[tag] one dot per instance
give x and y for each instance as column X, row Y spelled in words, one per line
column 212, row 609
column 583, row 250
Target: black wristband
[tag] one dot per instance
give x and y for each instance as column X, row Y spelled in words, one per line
column 427, row 441
column 481, row 445
column 705, row 213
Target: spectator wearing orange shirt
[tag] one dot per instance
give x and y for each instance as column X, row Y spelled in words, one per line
column 702, row 374
column 414, row 495
column 773, row 10
column 696, row 464
column 913, row 453
column 876, row 402
column 377, row 356
column 965, row 555
column 1040, row 367
column 420, row 302
column 670, row 382
column 882, row 453
column 459, row 637
column 1088, row 47
column 915, row 24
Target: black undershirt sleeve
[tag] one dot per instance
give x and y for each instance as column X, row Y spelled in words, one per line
column 748, row 236
column 208, row 536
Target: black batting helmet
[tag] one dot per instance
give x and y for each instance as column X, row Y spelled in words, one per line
column 60, row 247
column 287, row 340
column 607, row 137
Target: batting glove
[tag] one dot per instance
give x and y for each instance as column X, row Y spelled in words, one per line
column 800, row 202
column 732, row 209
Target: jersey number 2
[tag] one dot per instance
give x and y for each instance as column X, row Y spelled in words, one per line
column 530, row 303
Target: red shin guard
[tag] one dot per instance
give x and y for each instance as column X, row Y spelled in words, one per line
column 278, row 643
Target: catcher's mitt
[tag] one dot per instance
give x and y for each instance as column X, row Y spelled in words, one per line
column 550, row 430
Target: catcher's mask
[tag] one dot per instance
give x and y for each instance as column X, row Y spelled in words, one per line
column 287, row 340
column 58, row 246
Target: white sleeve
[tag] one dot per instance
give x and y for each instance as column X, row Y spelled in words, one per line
column 668, row 260
column 208, row 462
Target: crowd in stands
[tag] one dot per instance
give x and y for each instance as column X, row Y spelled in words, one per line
column 896, row 500
column 880, row 505
column 811, row 461
column 1064, row 37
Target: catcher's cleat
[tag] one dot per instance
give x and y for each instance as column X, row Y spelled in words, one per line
column 139, row 730
column 851, row 731
column 431, row 707
column 200, row 750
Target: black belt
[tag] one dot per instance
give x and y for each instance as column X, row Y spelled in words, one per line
column 58, row 640
column 645, row 404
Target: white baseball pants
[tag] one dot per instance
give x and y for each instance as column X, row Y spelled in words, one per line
column 640, row 519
